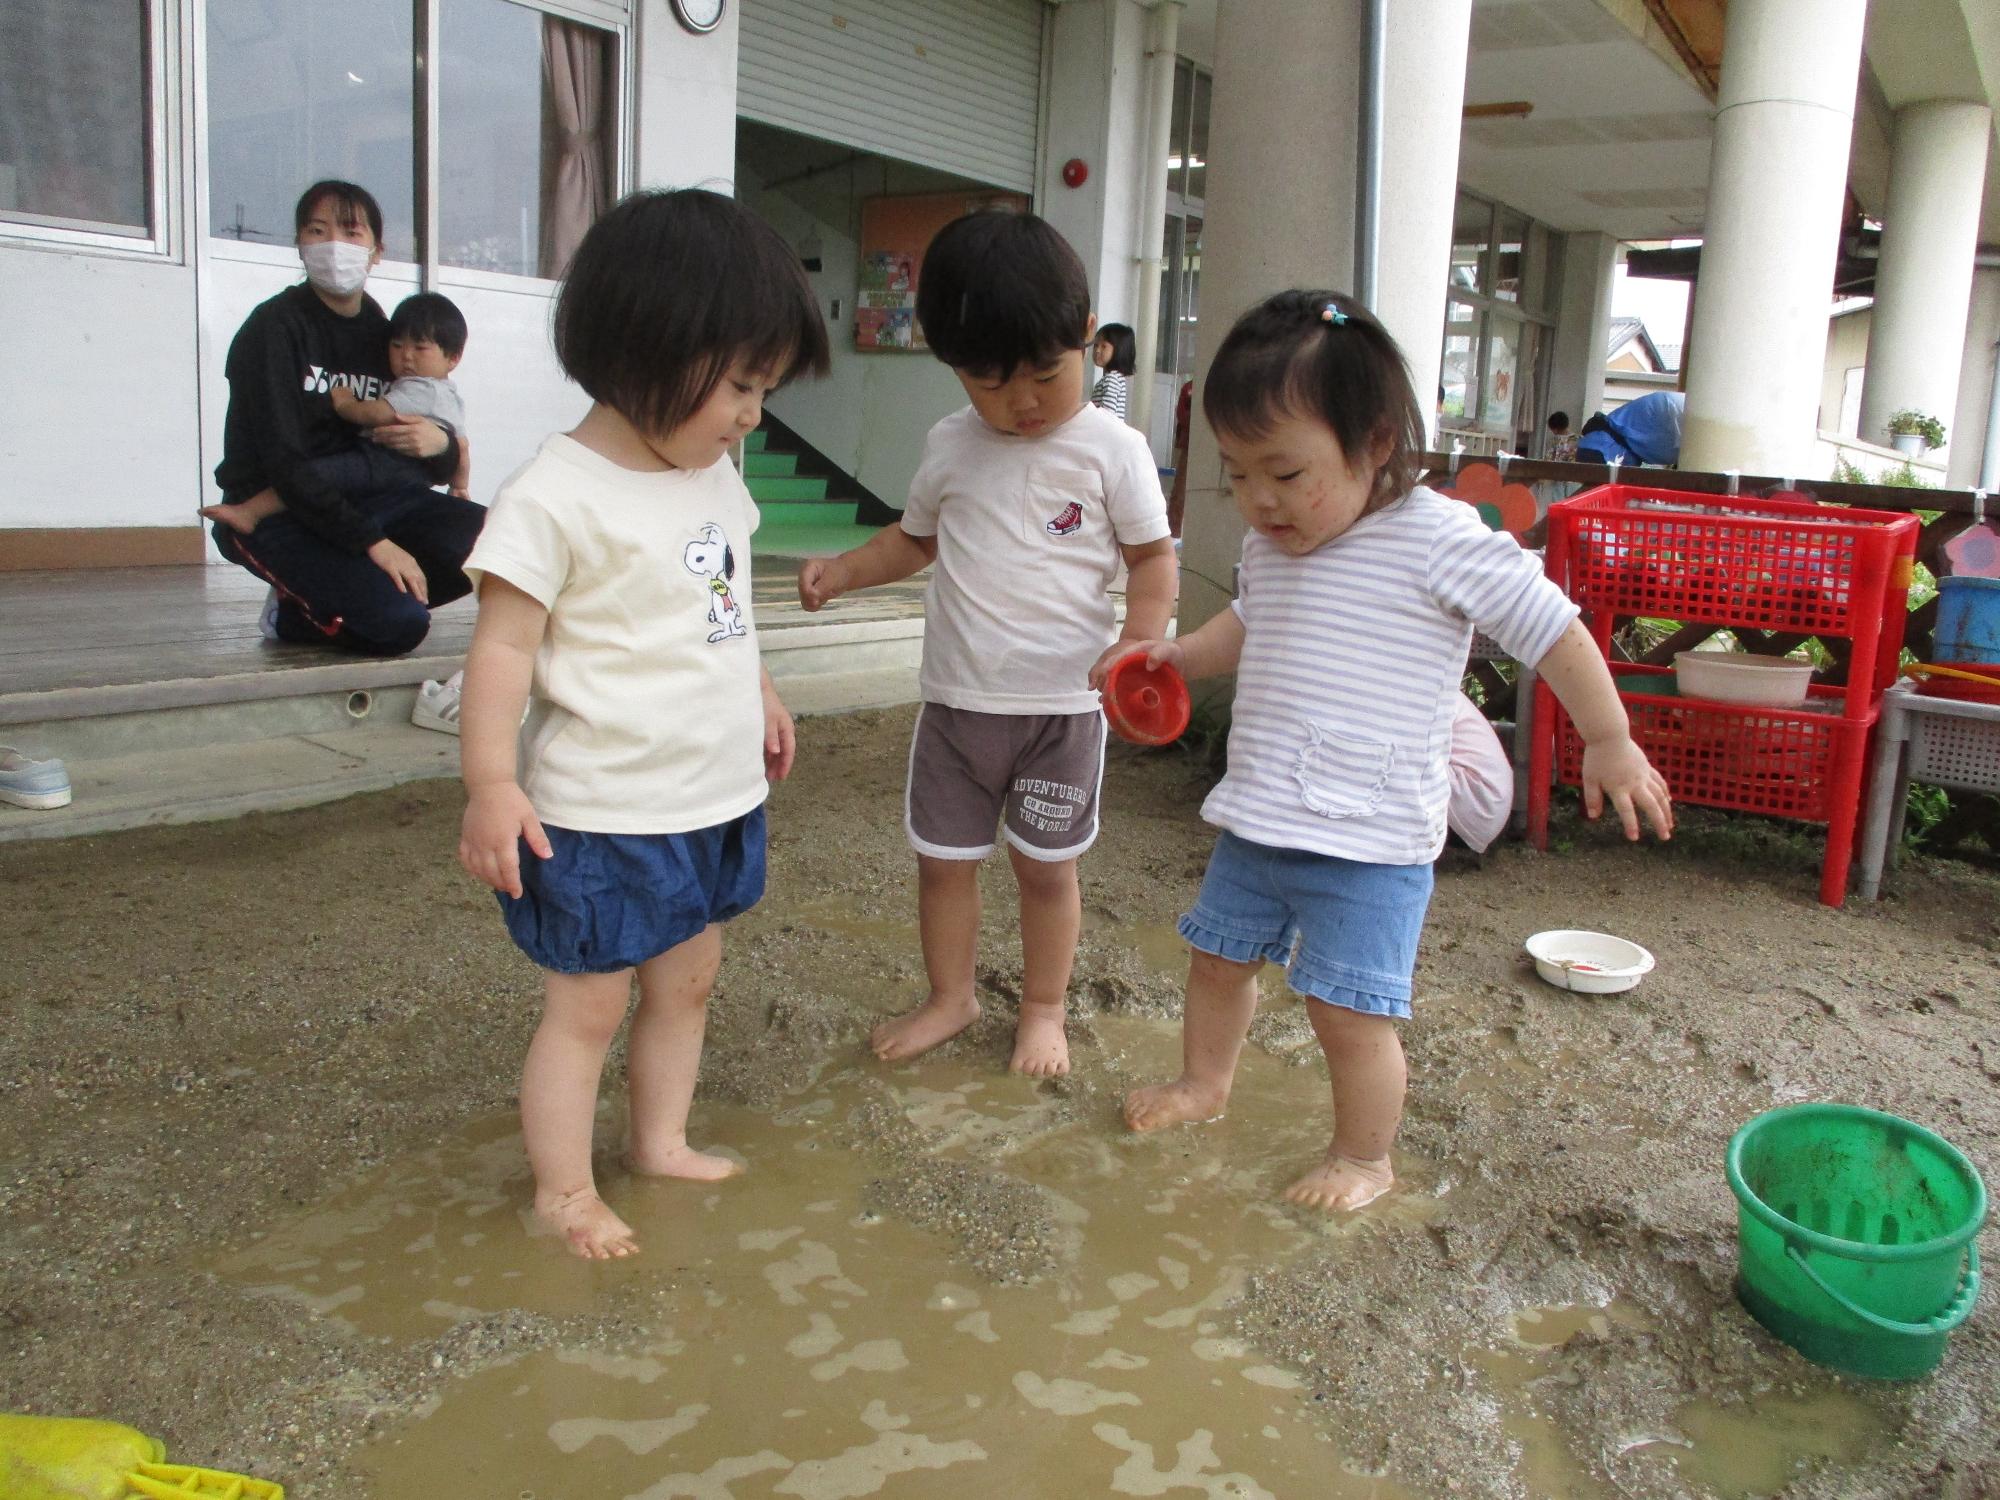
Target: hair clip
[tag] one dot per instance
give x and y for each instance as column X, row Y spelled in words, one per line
column 1331, row 313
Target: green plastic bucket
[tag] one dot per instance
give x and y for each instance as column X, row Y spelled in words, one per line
column 1855, row 1236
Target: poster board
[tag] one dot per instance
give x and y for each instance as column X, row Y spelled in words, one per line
column 895, row 232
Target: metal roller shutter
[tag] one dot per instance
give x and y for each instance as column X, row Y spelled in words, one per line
column 951, row 84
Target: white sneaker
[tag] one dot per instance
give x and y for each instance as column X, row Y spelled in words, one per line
column 437, row 704
column 27, row 782
column 267, row 622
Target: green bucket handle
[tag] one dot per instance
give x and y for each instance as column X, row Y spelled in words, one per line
column 1959, row 1310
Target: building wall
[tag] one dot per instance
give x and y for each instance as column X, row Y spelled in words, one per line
column 870, row 414
column 116, row 421
column 1846, row 350
column 98, row 387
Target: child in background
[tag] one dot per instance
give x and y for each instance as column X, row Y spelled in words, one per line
column 1115, row 352
column 1360, row 590
column 427, row 336
column 614, row 597
column 1027, row 500
column 1562, row 442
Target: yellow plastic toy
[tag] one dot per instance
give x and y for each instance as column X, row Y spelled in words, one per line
column 75, row 1458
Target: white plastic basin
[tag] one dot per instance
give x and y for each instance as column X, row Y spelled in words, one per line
column 1591, row 963
column 1739, row 677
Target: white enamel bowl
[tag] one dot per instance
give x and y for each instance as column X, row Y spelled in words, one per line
column 1590, row 963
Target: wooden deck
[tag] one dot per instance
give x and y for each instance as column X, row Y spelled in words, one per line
column 132, row 627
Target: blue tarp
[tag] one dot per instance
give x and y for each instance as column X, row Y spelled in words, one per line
column 1646, row 431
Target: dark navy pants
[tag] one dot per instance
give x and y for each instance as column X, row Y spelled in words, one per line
column 330, row 597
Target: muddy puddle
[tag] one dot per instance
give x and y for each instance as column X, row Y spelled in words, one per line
column 794, row 1340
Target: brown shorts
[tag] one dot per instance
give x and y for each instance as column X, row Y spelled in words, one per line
column 1035, row 776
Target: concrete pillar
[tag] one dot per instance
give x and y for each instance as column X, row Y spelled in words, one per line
column 1283, row 133
column 1425, row 98
column 1974, row 449
column 1930, row 229
column 1583, row 325
column 1097, row 115
column 1777, row 176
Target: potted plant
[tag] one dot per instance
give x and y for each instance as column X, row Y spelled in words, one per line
column 1915, row 432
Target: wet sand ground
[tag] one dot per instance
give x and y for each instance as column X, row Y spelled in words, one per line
column 232, row 1053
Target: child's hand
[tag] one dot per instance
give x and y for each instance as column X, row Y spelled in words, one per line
column 461, row 492
column 1619, row 769
column 342, row 397
column 1155, row 652
column 821, row 581
column 780, row 736
column 498, row 816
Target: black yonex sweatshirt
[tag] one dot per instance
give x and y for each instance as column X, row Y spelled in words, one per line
column 288, row 354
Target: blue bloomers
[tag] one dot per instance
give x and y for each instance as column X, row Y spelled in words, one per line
column 1346, row 932
column 610, row 901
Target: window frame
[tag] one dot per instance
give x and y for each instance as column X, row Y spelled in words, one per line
column 166, row 24
column 1490, row 307
column 1180, row 207
column 615, row 17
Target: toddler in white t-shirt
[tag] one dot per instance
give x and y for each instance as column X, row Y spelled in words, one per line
column 614, row 590
column 1027, row 501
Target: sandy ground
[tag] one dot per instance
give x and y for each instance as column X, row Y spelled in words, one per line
column 209, row 1027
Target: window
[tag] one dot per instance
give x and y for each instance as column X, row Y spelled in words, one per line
column 527, row 117
column 524, row 155
column 77, row 115
column 1471, row 233
column 301, row 92
column 1187, row 181
column 1496, row 336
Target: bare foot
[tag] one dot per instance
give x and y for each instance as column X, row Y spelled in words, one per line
column 589, row 1228
column 1176, row 1103
column 1341, row 1184
column 685, row 1162
column 232, row 516
column 1041, row 1048
column 931, row 1024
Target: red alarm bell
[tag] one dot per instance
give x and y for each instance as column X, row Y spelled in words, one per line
column 1076, row 172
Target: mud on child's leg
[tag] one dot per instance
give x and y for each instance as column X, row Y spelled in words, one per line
column 1364, row 1060
column 663, row 1059
column 1221, row 1002
column 1051, row 922
column 948, row 924
column 581, row 1013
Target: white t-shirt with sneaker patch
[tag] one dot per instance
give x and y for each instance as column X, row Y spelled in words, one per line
column 647, row 714
column 1028, row 531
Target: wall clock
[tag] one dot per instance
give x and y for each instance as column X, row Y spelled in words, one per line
column 699, row 15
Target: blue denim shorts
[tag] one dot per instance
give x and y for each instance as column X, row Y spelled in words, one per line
column 1345, row 932
column 609, row 901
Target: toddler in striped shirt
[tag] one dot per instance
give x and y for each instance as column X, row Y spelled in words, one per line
column 1359, row 593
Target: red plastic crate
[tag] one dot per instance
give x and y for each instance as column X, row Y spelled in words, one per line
column 1762, row 760
column 1787, row 565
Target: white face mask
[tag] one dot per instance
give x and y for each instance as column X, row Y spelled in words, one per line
column 336, row 267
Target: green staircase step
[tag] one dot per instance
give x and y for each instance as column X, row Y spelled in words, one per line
column 804, row 512
column 765, row 487
column 754, row 443
column 767, row 463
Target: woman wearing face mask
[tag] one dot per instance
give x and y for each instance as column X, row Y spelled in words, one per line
column 360, row 570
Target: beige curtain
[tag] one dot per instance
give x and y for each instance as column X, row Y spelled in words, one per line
column 576, row 163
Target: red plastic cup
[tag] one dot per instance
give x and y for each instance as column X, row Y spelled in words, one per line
column 1145, row 705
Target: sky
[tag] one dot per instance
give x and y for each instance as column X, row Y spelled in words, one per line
column 1663, row 304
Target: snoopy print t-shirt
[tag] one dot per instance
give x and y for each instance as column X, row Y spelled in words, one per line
column 647, row 713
